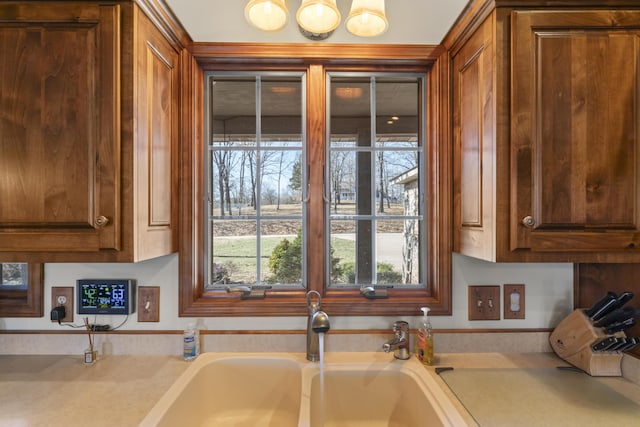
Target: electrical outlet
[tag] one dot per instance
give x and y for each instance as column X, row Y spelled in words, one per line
column 148, row 303
column 513, row 301
column 484, row 302
column 63, row 296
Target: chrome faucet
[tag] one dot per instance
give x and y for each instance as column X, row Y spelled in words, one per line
column 400, row 342
column 317, row 322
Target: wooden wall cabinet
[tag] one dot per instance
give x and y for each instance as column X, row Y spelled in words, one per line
column 474, row 148
column 546, row 135
column 88, row 133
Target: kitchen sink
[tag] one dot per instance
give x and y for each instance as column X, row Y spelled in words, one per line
column 371, row 398
column 284, row 389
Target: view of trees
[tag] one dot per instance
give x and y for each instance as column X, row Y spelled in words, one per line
column 281, row 178
column 14, row 274
column 237, row 178
column 277, row 177
column 257, row 171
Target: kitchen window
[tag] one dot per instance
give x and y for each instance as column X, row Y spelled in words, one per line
column 313, row 178
column 373, row 174
column 255, row 182
column 21, row 289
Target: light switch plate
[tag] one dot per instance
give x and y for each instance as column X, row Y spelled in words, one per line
column 484, row 302
column 514, row 301
column 63, row 295
column 148, row 303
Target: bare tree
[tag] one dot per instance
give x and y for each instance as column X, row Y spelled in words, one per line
column 340, row 166
column 223, row 161
column 283, row 164
column 251, row 160
column 381, row 179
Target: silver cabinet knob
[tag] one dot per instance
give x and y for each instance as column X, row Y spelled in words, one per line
column 528, row 221
column 101, row 221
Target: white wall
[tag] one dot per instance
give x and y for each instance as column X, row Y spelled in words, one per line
column 548, row 297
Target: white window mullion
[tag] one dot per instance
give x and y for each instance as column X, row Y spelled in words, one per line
column 258, row 181
column 373, row 155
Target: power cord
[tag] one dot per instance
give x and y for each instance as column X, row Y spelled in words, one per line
column 94, row 327
column 120, row 325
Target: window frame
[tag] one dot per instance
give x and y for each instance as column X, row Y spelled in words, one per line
column 315, row 60
column 260, row 77
column 25, row 302
column 374, row 149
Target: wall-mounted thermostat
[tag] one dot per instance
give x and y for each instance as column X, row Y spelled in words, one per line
column 106, row 296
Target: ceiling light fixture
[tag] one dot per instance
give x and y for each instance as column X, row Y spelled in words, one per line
column 267, row 15
column 367, row 18
column 318, row 16
column 348, row 92
column 317, row 19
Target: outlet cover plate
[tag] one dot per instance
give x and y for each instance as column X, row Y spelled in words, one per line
column 518, row 301
column 67, row 293
column 148, row 303
column 484, row 302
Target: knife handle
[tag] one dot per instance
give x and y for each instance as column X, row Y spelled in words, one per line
column 606, row 308
column 617, row 315
column 604, row 344
column 629, row 344
column 624, row 298
column 619, row 326
column 601, row 302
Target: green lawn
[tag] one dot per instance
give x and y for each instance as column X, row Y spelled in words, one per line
column 238, row 254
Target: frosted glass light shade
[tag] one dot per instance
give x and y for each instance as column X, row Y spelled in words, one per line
column 318, row 16
column 367, row 18
column 267, row 15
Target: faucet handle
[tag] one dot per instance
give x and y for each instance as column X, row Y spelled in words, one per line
column 400, row 326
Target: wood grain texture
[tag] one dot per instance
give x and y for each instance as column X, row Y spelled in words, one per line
column 156, row 141
column 474, row 145
column 88, row 129
column 56, row 171
column 575, row 137
column 194, row 301
column 565, row 136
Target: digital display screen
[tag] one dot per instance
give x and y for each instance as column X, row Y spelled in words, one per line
column 105, row 296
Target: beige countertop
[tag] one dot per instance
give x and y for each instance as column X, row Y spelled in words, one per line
column 119, row 390
column 57, row 391
column 527, row 390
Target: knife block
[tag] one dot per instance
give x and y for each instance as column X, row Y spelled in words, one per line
column 572, row 340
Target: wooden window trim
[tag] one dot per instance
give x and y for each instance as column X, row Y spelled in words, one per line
column 193, row 300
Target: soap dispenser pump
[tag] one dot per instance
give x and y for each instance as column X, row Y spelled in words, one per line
column 425, row 340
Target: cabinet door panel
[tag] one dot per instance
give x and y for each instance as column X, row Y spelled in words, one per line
column 160, row 84
column 56, row 115
column 156, row 142
column 575, row 131
column 474, row 145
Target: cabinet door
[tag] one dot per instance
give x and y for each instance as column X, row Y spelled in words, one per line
column 156, row 131
column 575, row 131
column 59, row 139
column 474, row 145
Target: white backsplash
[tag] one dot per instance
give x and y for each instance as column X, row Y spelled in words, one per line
column 549, row 298
column 171, row 344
